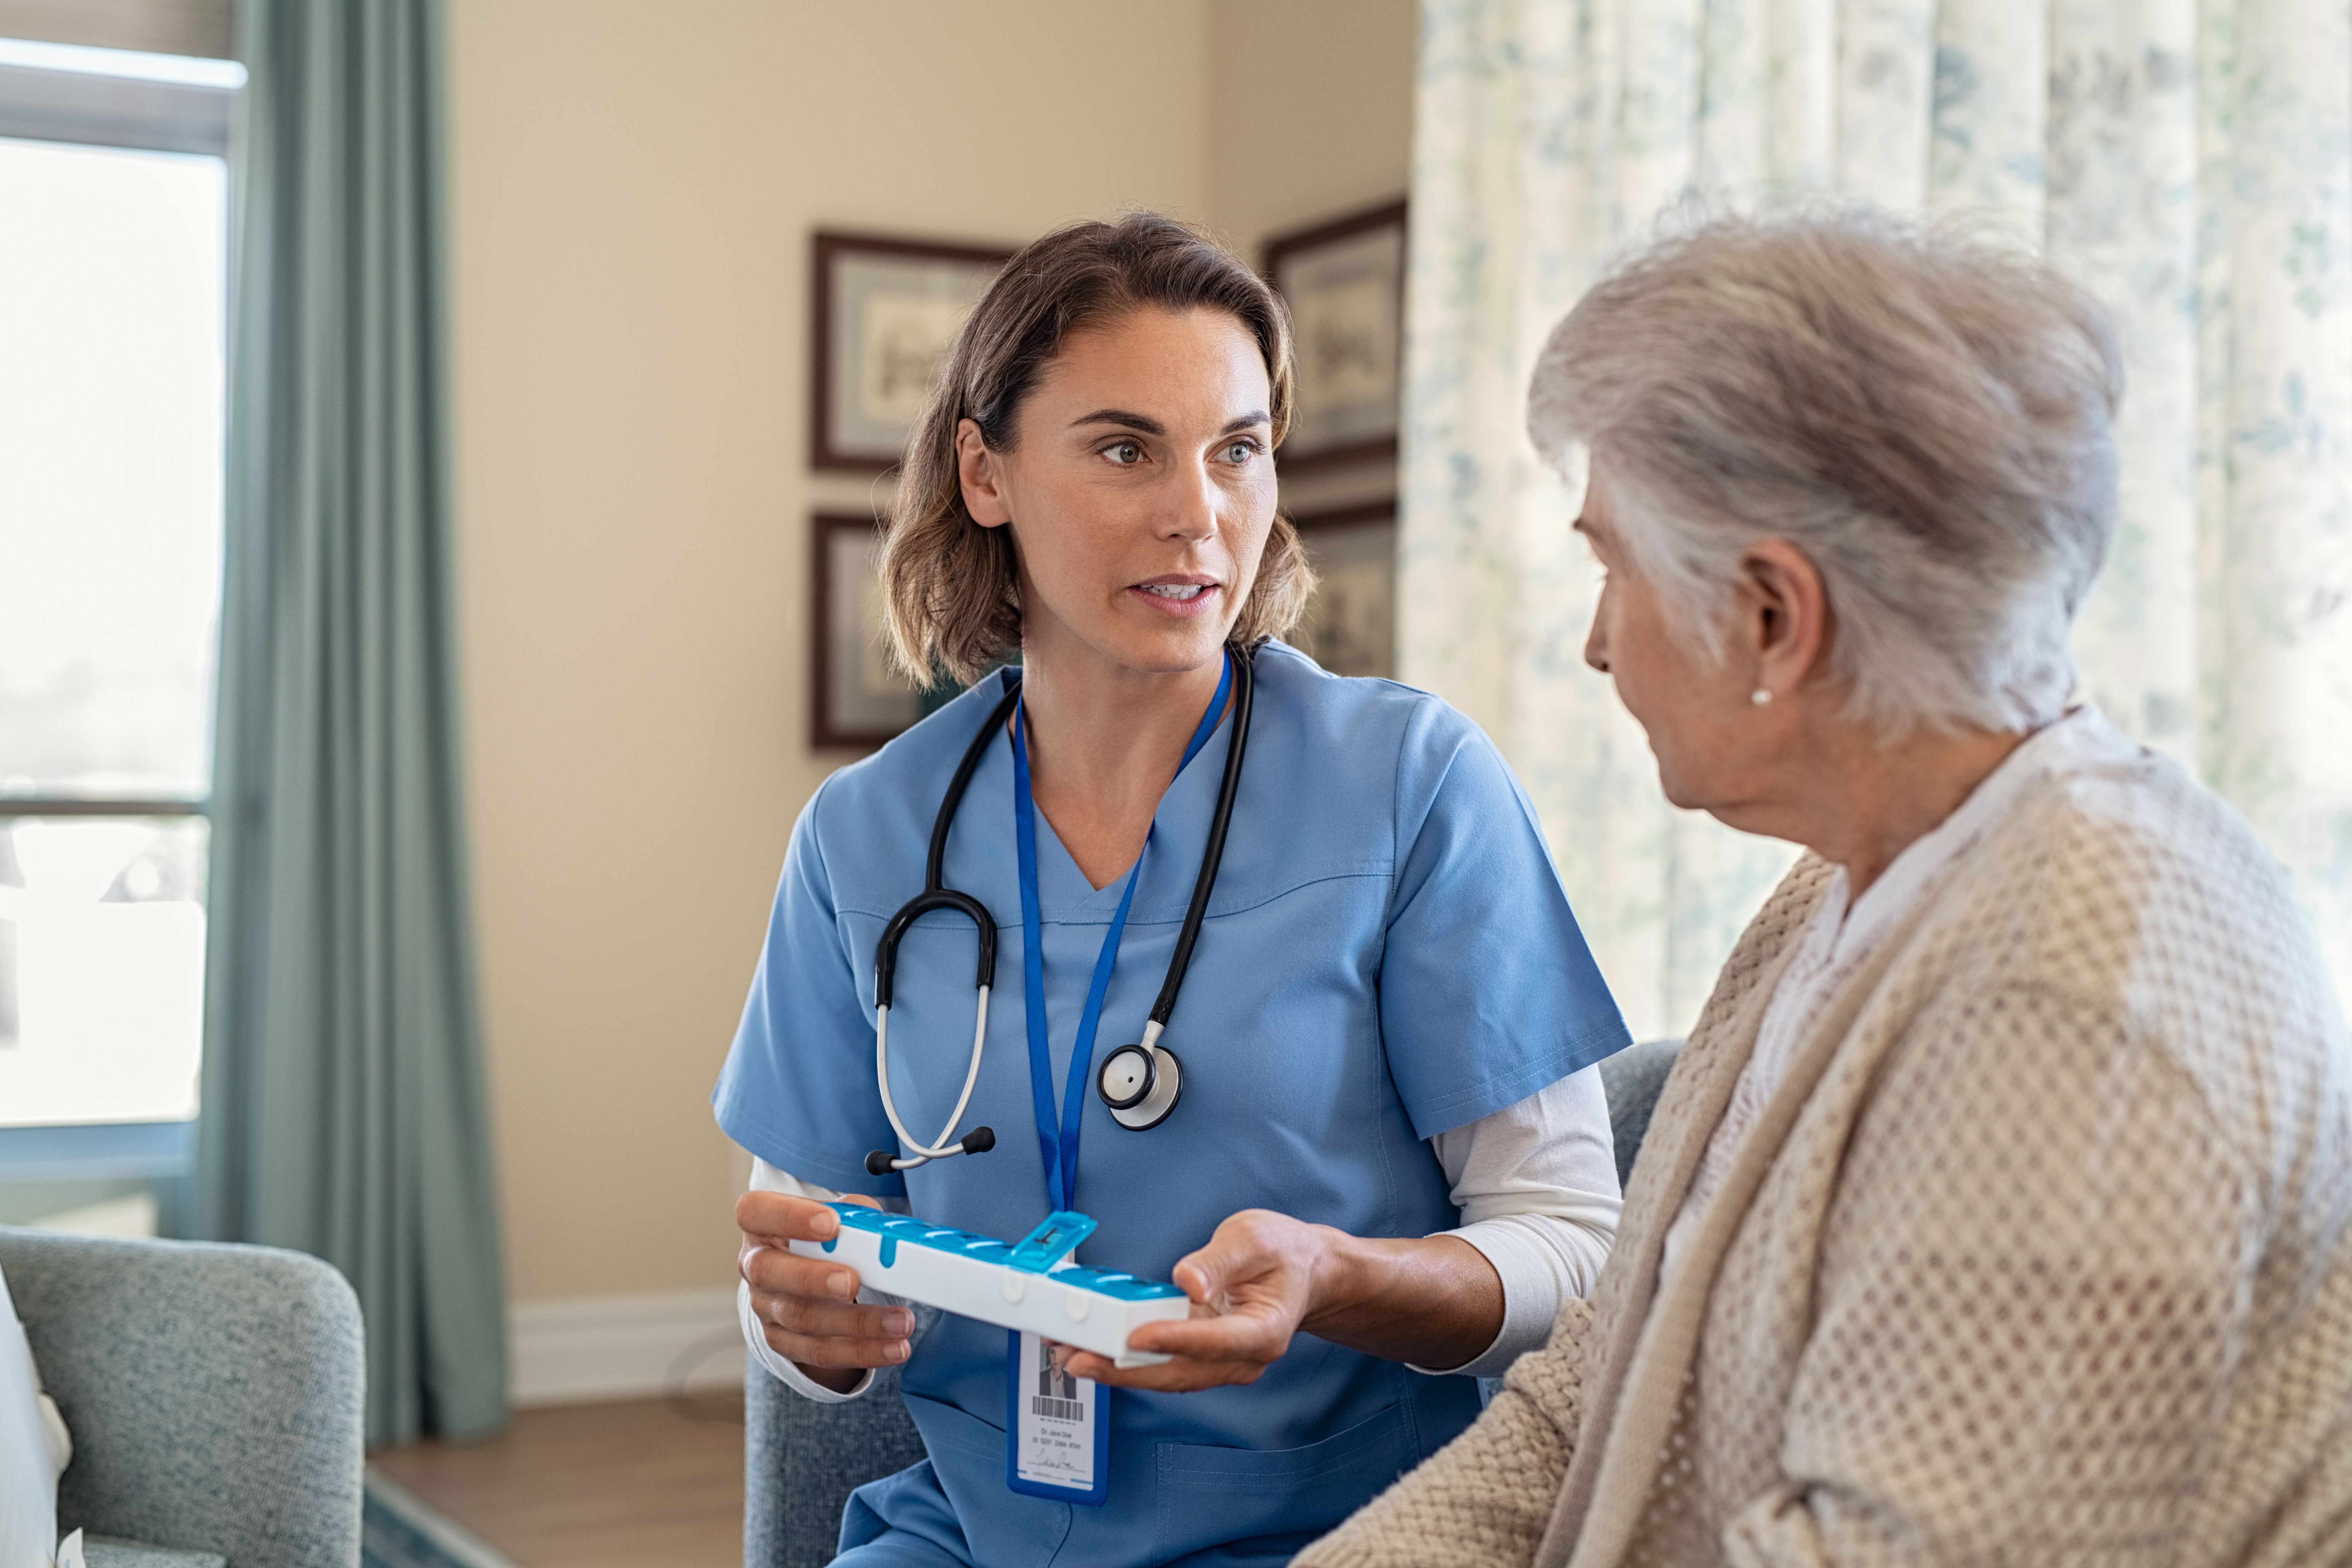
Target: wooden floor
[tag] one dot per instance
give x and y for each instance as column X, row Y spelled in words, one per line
column 584, row 1486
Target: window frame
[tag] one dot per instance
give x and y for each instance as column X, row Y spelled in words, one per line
column 87, row 109
column 91, row 109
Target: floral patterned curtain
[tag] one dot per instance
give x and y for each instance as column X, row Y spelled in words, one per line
column 2191, row 160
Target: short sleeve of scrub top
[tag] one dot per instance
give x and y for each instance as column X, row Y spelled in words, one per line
column 1388, row 956
column 806, row 1007
column 1482, row 947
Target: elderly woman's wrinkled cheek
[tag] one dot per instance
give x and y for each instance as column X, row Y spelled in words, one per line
column 1670, row 685
column 1632, row 641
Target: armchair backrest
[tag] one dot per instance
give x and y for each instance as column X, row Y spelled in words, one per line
column 214, row 1392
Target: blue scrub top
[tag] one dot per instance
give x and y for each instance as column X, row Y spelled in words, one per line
column 1388, row 956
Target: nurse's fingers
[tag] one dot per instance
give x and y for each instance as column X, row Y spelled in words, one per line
column 832, row 1351
column 782, row 1217
column 832, row 1319
column 774, row 1271
column 1212, row 1351
column 1181, row 1375
column 1252, row 1331
column 1257, row 1254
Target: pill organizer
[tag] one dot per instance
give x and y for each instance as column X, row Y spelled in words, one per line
column 1030, row 1285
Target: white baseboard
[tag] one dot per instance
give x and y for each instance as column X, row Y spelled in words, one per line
column 622, row 1347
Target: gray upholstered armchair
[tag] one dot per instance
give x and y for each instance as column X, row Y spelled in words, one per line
column 802, row 1460
column 213, row 1394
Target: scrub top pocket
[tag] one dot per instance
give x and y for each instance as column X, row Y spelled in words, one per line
column 1208, row 1495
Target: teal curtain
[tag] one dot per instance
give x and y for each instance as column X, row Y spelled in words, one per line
column 343, row 1109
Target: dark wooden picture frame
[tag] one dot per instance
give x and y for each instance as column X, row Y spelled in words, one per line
column 1344, row 281
column 855, row 700
column 1350, row 628
column 934, row 278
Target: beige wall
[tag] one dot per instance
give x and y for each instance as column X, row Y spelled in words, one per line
column 634, row 188
column 1310, row 118
column 1311, row 111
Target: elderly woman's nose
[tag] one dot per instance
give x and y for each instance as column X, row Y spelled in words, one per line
column 1596, row 640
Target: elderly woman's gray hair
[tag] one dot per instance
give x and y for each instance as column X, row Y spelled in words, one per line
column 1928, row 417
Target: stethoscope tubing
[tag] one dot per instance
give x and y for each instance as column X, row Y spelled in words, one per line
column 1213, row 855
column 970, row 1076
column 936, row 894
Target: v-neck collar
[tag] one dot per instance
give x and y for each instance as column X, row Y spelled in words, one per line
column 1065, row 895
column 1061, row 884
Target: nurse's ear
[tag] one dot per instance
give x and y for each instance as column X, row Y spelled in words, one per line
column 982, row 473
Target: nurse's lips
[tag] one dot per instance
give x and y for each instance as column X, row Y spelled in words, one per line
column 1177, row 596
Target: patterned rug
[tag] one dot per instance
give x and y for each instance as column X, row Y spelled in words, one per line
column 400, row 1531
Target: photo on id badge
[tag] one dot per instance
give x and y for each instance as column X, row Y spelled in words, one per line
column 1059, row 1445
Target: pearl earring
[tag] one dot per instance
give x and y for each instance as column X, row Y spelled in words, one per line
column 1760, row 695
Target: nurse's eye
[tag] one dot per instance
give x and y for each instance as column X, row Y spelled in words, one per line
column 1126, row 454
column 1240, row 452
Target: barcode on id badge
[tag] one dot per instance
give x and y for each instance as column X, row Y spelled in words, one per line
column 1058, row 1409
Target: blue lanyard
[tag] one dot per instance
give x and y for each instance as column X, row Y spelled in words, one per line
column 1060, row 1150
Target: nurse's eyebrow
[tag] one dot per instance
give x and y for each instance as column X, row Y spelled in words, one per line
column 1150, row 427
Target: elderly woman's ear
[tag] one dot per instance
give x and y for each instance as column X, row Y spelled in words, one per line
column 1784, row 620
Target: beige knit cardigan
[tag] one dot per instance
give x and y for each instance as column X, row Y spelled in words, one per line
column 2037, row 1254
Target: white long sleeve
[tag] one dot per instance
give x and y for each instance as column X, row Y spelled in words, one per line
column 1536, row 1182
column 766, row 1178
column 1537, row 1185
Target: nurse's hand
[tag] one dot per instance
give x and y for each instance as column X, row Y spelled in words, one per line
column 1432, row 1300
column 809, row 1307
column 1252, row 1288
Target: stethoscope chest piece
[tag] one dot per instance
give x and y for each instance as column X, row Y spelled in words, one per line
column 1141, row 1084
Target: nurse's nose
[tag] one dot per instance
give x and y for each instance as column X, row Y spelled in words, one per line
column 1191, row 512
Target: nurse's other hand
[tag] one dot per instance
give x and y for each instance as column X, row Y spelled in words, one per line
column 1252, row 1286
column 809, row 1307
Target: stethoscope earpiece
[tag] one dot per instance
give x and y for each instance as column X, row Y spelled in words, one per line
column 979, row 1141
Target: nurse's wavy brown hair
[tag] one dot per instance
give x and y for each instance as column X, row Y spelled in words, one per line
column 953, row 588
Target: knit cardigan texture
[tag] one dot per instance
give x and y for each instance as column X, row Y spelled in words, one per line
column 2037, row 1254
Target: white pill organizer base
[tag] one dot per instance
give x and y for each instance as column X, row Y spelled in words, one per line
column 959, row 1272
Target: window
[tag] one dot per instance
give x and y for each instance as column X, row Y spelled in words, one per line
column 113, row 203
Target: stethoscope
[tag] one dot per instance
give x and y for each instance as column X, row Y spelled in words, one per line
column 1140, row 1084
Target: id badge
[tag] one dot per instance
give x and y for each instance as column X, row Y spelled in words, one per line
column 1057, row 1427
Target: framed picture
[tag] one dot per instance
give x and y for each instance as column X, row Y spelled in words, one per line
column 858, row 699
column 884, row 312
column 1350, row 628
column 1344, row 282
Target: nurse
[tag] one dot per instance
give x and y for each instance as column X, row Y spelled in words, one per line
column 1389, row 1161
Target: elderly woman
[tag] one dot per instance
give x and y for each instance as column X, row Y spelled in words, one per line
column 1995, row 1211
